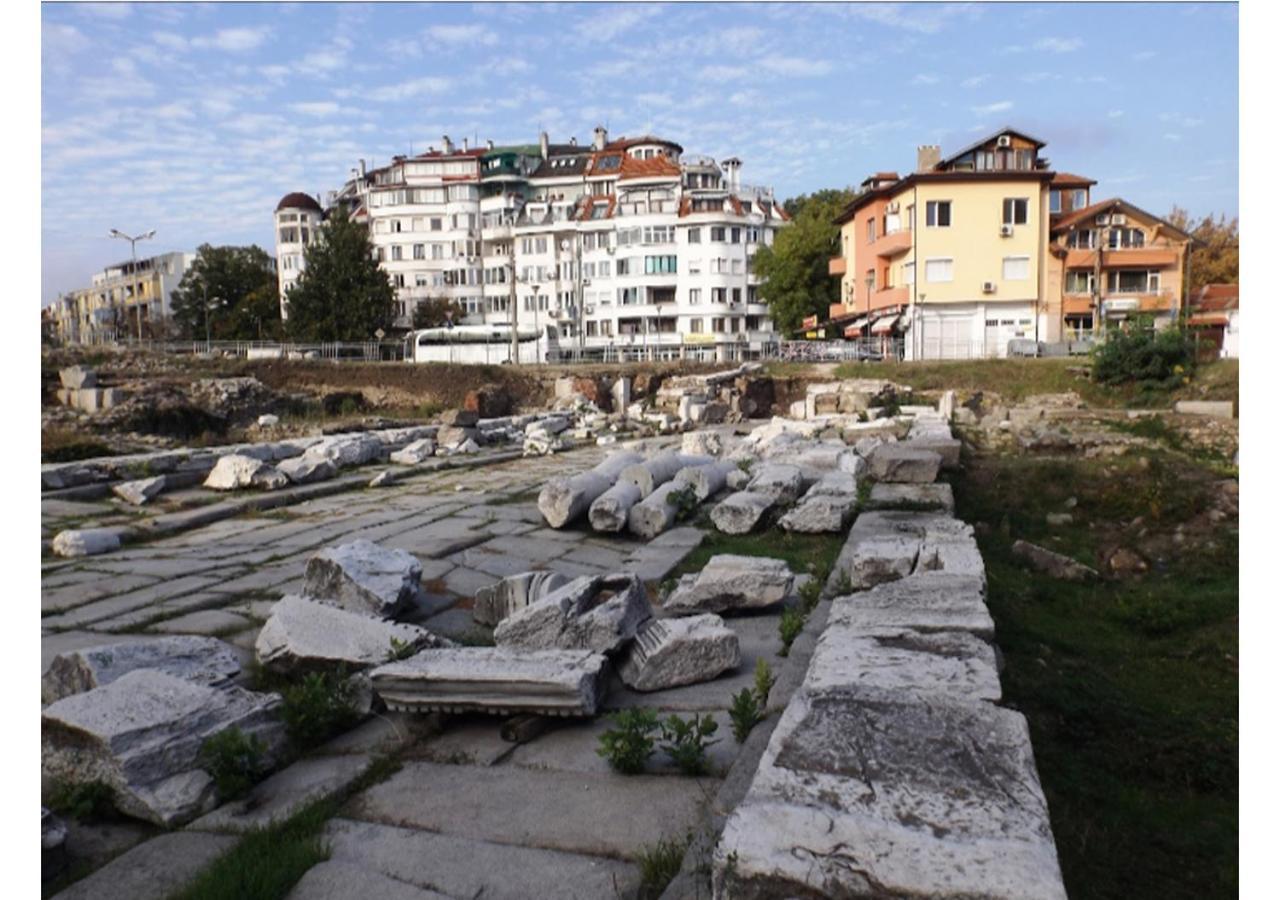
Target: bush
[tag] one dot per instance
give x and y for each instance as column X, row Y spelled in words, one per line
column 628, row 746
column 83, row 801
column 810, row 594
column 400, row 650
column 1151, row 359
column 687, row 742
column 685, row 501
column 764, row 682
column 234, row 760
column 320, row 705
column 789, row 628
column 744, row 713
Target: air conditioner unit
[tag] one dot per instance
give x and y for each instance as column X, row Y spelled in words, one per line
column 590, row 310
column 1004, row 141
column 1102, row 219
column 891, row 208
column 1006, row 231
column 1118, row 220
column 988, row 287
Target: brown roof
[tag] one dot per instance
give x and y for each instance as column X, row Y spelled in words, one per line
column 1066, row 179
column 657, row 167
column 1215, row 298
column 298, row 200
column 1070, row 220
column 1003, row 174
column 624, row 143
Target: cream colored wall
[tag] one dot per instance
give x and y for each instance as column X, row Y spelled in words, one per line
column 973, row 240
column 848, row 249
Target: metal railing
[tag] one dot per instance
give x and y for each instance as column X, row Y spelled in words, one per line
column 871, row 349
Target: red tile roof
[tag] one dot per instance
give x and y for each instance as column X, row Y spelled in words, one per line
column 657, row 167
column 298, row 200
column 1215, row 298
column 1066, row 179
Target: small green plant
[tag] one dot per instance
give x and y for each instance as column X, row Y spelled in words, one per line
column 843, row 586
column 764, row 682
column 810, row 593
column 83, row 801
column 744, row 713
column 745, row 465
column 318, row 706
column 629, row 744
column 864, row 493
column 659, row 864
column 234, row 760
column 789, row 628
column 687, row 742
column 400, row 650
column 685, row 501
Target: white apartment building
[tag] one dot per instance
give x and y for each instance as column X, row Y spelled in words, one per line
column 298, row 216
column 619, row 242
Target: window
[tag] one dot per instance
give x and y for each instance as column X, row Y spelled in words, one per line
column 736, row 267
column 1079, row 199
column 751, row 293
column 625, row 267
column 1015, row 211
column 395, row 226
column 1136, row 281
column 1081, row 240
column 1017, row 268
column 419, row 251
column 628, row 296
column 695, row 236
column 420, row 280
column 737, row 295
column 695, row 326
column 437, row 224
column 717, row 325
column 937, row 270
column 437, row 251
column 395, row 251
column 871, row 230
column 938, row 214
column 659, row 265
column 1079, row 281
column 1125, row 237
column 717, row 234
column 1055, row 201
column 695, row 267
column 603, row 267
column 399, row 279
column 695, row 297
column 718, row 295
column 719, row 265
column 735, row 235
column 909, row 273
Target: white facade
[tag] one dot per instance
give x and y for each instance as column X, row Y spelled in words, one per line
column 298, row 217
column 616, row 243
column 119, row 297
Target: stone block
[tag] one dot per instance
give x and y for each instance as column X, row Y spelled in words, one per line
column 740, row 512
column 900, row 464
column 670, row 652
column 199, row 660
column 363, row 577
column 730, row 582
column 86, row 541
column 597, row 613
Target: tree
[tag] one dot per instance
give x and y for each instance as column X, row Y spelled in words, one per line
column 228, row 277
column 1215, row 258
column 794, row 276
column 435, row 312
column 342, row 294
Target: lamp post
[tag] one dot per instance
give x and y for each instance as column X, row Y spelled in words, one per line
column 133, row 254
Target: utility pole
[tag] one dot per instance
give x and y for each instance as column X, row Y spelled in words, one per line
column 515, row 339
column 133, row 253
column 1101, row 235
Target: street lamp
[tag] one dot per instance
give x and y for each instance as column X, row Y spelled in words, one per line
column 133, row 253
column 204, row 290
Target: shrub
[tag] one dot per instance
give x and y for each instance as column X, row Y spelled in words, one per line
column 744, row 713
column 629, row 745
column 687, row 742
column 320, row 705
column 685, row 501
column 810, row 593
column 659, row 864
column 83, row 800
column 764, row 682
column 1141, row 355
column 234, row 760
column 789, row 628
column 400, row 650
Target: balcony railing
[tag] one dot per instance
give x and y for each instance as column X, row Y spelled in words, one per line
column 837, row 265
column 892, row 243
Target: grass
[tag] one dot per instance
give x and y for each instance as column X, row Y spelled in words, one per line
column 1130, row 687
column 813, row 553
column 267, row 862
column 60, row 445
column 659, row 863
column 1017, row 379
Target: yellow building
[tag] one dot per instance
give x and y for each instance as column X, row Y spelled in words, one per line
column 951, row 257
column 121, row 302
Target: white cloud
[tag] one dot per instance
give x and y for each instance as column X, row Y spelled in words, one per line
column 1144, row 55
column 1181, row 121
column 1115, row 114
column 925, row 78
column 654, row 99
column 275, row 73
column 57, row 42
column 405, row 90
column 976, row 80
column 318, row 109
column 233, row 40
column 740, row 39
column 999, row 106
column 923, row 18
column 466, row 35
column 796, row 66
column 1059, row 45
column 1170, row 136
column 169, row 39
column 105, row 10
column 720, row 73
column 615, row 20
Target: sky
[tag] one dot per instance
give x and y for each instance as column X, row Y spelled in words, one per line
column 194, row 119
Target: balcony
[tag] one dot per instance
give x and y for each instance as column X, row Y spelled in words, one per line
column 892, row 244
column 837, row 265
column 892, row 296
column 1133, row 258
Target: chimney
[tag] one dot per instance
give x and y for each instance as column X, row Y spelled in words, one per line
column 490, row 143
column 731, row 167
column 465, row 144
column 543, row 145
column 362, row 172
column 573, row 141
column 927, row 157
column 601, row 137
column 448, row 145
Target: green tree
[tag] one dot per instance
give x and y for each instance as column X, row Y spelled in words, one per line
column 794, row 276
column 342, row 294
column 229, row 277
column 434, row 312
column 1215, row 257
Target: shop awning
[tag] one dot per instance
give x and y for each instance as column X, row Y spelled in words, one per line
column 1208, row 319
column 885, row 325
column 854, row 328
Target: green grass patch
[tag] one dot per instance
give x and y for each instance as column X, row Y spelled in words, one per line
column 659, row 863
column 60, row 445
column 812, row 553
column 1130, row 687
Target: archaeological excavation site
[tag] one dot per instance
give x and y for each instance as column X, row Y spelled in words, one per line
column 699, row 634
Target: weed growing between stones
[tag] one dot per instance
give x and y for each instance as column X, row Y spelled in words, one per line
column 810, row 593
column 400, row 650
column 764, row 681
column 744, row 714
column 685, row 502
column 789, row 628
column 318, row 706
column 83, row 801
column 687, row 742
column 235, row 761
column 659, row 863
column 629, row 745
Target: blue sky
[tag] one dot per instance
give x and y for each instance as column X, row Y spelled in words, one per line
column 194, row 119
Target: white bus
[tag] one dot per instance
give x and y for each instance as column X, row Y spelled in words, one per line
column 477, row 344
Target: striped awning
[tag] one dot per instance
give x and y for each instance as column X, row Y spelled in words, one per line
column 1211, row 318
column 885, row 325
column 854, row 328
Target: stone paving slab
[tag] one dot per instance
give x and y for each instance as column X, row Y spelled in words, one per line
column 601, row 815
column 332, row 880
column 152, row 870
column 478, row 869
column 93, row 586
column 473, row 740
column 128, row 602
column 285, row 792
column 206, row 622
column 465, row 582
